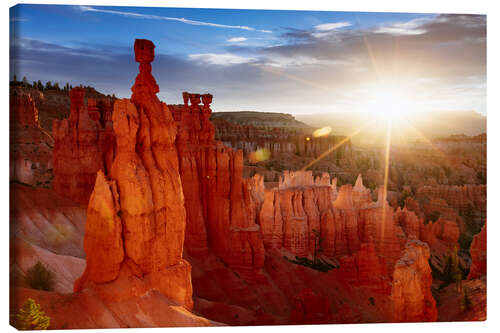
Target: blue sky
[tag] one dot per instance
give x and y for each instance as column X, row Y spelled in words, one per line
column 283, row 61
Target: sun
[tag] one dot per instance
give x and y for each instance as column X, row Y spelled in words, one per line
column 390, row 103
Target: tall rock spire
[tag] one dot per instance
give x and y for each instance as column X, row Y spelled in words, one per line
column 139, row 210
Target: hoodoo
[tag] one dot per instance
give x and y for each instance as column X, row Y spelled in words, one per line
column 221, row 213
column 136, row 213
column 83, row 144
column 411, row 286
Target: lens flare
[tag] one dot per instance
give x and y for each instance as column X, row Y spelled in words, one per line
column 324, row 131
column 259, row 155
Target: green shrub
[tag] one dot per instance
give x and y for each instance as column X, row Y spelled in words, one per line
column 40, row 277
column 30, row 317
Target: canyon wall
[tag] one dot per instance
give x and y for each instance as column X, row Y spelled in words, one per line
column 280, row 140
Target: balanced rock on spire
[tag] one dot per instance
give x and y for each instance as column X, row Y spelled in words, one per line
column 141, row 203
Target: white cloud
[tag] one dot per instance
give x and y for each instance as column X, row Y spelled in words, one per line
column 166, row 18
column 332, row 26
column 404, row 28
column 299, row 61
column 236, row 39
column 220, row 58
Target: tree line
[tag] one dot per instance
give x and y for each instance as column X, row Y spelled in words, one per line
column 39, row 85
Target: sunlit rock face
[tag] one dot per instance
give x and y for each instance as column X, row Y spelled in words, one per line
column 411, row 286
column 298, row 214
column 221, row 212
column 82, row 146
column 478, row 254
column 301, row 216
column 136, row 217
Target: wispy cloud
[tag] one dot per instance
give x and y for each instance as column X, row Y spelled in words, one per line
column 412, row 27
column 166, row 18
column 236, row 39
column 332, row 26
column 220, row 58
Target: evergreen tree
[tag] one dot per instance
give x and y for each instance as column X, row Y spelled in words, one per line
column 48, row 85
column 56, row 86
column 15, row 78
column 40, row 85
column 30, row 317
column 25, row 81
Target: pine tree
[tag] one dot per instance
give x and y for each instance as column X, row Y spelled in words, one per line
column 48, row 85
column 30, row 317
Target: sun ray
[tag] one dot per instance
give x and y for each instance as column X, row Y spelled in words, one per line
column 336, row 146
column 386, row 174
column 425, row 139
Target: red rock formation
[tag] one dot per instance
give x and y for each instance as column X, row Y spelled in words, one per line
column 23, row 111
column 300, row 209
column 82, row 146
column 30, row 145
column 377, row 222
column 250, row 138
column 411, row 287
column 365, row 268
column 310, row 308
column 298, row 215
column 409, row 222
column 346, row 222
column 458, row 197
column 136, row 219
column 478, row 255
column 221, row 214
column 360, row 194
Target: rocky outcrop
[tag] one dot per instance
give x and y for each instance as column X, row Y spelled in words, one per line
column 365, row 268
column 221, row 213
column 302, row 216
column 30, row 145
column 377, row 222
column 298, row 215
column 458, row 197
column 411, row 286
column 478, row 255
column 136, row 217
column 83, row 144
column 310, row 308
column 302, row 142
column 23, row 112
column 360, row 194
